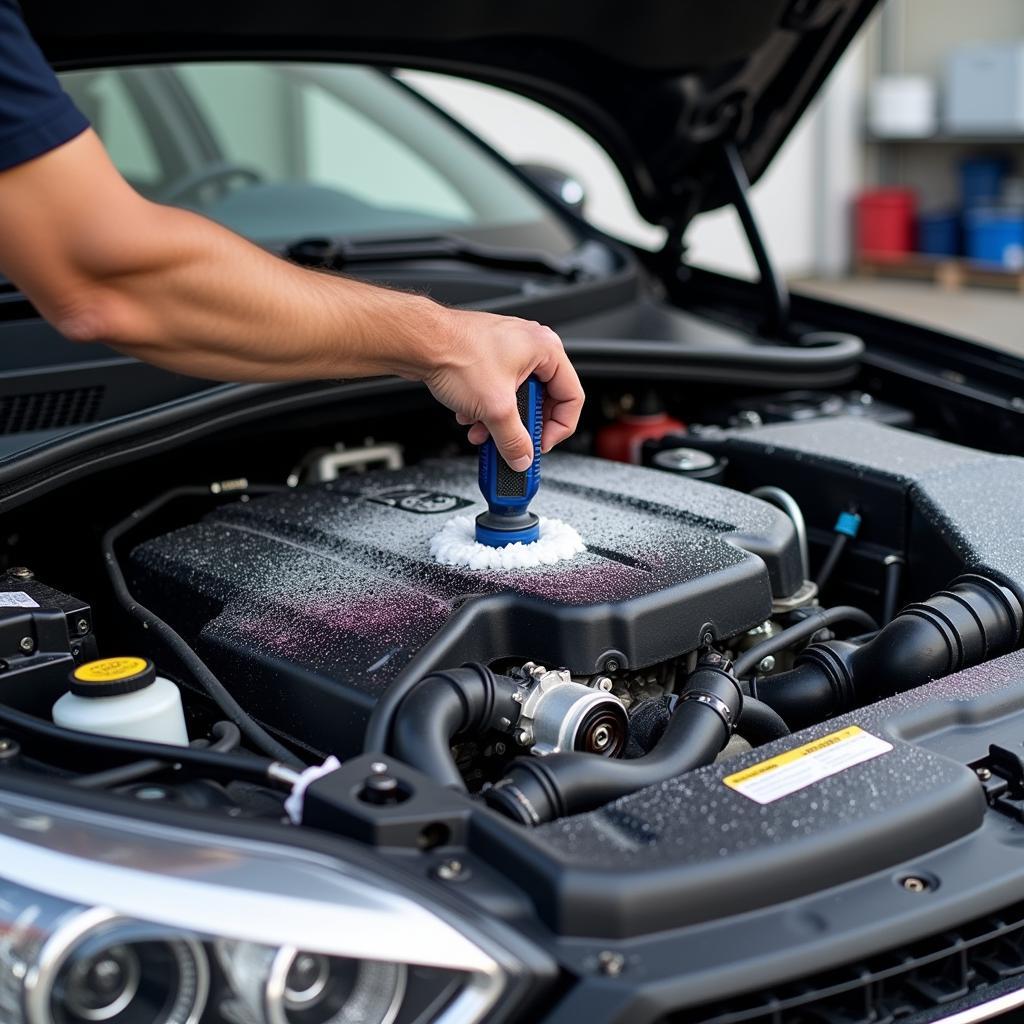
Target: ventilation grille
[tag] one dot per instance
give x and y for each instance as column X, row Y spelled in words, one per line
column 887, row 987
column 47, row 410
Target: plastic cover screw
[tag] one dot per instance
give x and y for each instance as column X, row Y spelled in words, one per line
column 914, row 884
column 449, row 870
column 611, row 963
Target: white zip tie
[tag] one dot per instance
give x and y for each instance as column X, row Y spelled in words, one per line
column 294, row 802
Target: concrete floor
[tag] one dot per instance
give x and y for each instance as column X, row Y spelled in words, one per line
column 988, row 315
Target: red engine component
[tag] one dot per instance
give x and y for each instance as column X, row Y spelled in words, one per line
column 622, row 440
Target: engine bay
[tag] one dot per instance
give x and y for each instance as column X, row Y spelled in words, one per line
column 742, row 580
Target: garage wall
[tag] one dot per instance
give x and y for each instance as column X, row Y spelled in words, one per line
column 916, row 37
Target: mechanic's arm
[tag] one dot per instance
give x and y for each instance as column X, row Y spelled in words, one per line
column 102, row 263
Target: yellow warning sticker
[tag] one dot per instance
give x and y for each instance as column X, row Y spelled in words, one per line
column 107, row 670
column 800, row 767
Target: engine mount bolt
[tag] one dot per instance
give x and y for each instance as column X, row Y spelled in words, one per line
column 27, row 644
column 610, row 963
column 707, row 639
column 767, row 663
column 603, row 683
column 450, row 870
column 612, row 665
column 983, row 773
column 21, row 572
column 914, row 884
column 82, row 625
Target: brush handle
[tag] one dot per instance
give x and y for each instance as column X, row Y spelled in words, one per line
column 506, row 491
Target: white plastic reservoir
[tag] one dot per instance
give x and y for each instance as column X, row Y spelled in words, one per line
column 123, row 697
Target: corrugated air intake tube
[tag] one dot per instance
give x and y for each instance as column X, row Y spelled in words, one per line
column 975, row 619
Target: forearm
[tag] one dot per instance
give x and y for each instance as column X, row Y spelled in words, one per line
column 194, row 297
column 180, row 291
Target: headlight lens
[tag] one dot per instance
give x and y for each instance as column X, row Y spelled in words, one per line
column 102, row 920
column 290, row 986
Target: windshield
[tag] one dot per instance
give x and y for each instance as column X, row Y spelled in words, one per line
column 279, row 152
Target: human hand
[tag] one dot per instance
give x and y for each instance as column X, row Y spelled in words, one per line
column 481, row 361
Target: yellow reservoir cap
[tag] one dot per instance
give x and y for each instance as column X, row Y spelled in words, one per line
column 110, row 677
column 110, row 670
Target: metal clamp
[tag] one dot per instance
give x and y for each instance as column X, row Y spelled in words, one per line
column 715, row 703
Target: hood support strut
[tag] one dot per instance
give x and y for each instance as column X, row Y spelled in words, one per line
column 775, row 322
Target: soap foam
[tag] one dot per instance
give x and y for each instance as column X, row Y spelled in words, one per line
column 456, row 544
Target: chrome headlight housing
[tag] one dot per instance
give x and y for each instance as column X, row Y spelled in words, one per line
column 105, row 919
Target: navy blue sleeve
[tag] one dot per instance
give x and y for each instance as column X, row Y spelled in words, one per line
column 36, row 115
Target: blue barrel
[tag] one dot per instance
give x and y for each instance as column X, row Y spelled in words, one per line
column 938, row 234
column 996, row 237
column 981, row 180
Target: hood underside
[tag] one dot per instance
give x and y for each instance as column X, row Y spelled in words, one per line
column 660, row 85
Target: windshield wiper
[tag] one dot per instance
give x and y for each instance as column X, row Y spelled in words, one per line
column 340, row 253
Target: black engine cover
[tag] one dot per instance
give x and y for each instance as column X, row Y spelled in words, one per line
column 311, row 603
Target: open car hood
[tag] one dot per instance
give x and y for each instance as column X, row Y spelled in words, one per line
column 660, row 85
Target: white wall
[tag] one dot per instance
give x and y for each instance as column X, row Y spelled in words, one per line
column 801, row 202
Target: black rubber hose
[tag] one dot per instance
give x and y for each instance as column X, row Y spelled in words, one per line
column 835, row 552
column 226, row 739
column 973, row 620
column 69, row 749
column 539, row 789
column 443, row 706
column 254, row 733
column 759, row 723
column 122, row 775
column 818, row 619
column 891, row 589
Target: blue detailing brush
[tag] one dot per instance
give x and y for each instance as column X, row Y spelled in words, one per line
column 508, row 494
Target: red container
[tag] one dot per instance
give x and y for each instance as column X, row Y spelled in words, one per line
column 885, row 223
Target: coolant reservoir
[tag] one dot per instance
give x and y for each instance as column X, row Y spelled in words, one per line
column 123, row 697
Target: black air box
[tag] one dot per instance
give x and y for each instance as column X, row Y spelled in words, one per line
column 309, row 604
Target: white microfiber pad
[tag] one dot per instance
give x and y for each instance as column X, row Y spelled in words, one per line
column 456, row 544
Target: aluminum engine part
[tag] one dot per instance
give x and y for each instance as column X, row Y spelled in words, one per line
column 559, row 714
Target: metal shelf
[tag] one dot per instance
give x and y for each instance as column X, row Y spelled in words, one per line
column 946, row 140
